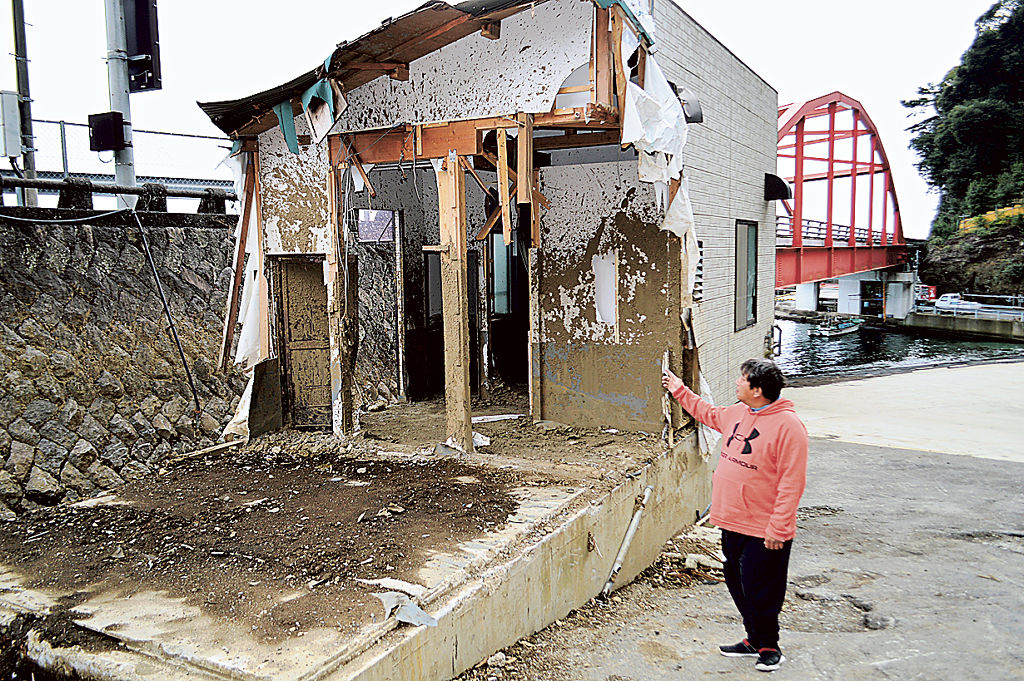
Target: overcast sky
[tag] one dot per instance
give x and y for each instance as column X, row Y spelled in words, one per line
column 876, row 51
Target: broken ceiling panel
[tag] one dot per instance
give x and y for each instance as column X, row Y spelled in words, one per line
column 477, row 77
column 293, row 188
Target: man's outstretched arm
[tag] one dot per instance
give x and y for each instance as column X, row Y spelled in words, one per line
column 702, row 411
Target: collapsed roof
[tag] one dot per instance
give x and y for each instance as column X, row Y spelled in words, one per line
column 396, row 42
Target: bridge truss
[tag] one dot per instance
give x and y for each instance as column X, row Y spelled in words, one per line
column 844, row 199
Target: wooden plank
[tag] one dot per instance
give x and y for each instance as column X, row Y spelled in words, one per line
column 353, row 158
column 515, row 178
column 574, row 88
column 376, row 66
column 236, row 283
column 524, row 157
column 641, row 65
column 492, row 220
column 503, row 196
column 616, row 49
column 491, row 30
column 535, row 211
column 602, row 59
column 261, row 267
column 472, row 171
column 576, row 141
column 533, row 282
column 451, row 191
column 400, row 73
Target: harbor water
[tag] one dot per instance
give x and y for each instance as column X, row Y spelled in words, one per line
column 870, row 351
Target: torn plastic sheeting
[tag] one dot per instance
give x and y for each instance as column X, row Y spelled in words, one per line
column 238, row 426
column 707, row 438
column 248, row 351
column 286, row 120
column 679, row 220
column 405, row 610
column 357, row 178
column 480, row 440
column 499, row 417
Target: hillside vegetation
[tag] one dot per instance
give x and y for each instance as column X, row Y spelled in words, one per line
column 971, row 145
column 989, row 259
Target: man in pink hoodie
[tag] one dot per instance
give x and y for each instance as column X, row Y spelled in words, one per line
column 755, row 493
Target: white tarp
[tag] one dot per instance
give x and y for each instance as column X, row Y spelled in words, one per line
column 708, row 438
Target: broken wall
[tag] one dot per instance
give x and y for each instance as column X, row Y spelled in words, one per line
column 293, row 194
column 609, row 297
column 93, row 391
column 413, row 194
column 726, row 158
column 477, row 77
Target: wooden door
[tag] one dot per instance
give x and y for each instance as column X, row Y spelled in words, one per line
column 305, row 344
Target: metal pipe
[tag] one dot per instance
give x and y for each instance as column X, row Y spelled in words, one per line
column 64, row 148
column 167, row 311
column 117, row 83
column 24, row 98
column 638, row 509
column 103, row 188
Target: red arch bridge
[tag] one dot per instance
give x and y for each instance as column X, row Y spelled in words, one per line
column 844, row 200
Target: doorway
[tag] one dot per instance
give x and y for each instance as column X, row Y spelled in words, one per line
column 304, row 341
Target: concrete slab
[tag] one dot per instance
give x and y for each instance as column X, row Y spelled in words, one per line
column 550, row 556
column 950, row 410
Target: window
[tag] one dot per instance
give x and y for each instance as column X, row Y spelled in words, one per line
column 376, row 226
column 746, row 274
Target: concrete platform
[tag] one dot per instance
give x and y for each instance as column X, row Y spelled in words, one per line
column 552, row 554
column 965, row 410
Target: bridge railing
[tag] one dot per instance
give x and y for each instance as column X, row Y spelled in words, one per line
column 816, row 231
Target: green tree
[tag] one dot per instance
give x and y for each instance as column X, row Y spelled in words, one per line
column 971, row 145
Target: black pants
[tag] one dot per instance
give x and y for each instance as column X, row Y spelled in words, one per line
column 756, row 578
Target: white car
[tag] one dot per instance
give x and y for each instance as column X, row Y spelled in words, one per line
column 952, row 302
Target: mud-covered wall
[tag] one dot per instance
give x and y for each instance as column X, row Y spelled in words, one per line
column 93, row 390
column 476, row 76
column 726, row 158
column 607, row 371
column 293, row 191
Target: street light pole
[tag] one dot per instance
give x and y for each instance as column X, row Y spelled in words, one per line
column 24, row 99
column 117, row 82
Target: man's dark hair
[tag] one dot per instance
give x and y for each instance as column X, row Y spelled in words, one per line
column 766, row 375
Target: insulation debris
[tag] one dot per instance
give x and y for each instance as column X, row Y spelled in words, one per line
column 405, row 610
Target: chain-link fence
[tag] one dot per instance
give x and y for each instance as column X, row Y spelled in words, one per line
column 174, row 159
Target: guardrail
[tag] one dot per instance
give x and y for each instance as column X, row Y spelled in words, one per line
column 1003, row 314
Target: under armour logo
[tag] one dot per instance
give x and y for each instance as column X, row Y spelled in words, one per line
column 746, row 440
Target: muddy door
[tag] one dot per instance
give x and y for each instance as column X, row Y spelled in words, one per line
column 305, row 344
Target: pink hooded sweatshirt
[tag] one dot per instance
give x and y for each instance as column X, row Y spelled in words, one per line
column 760, row 477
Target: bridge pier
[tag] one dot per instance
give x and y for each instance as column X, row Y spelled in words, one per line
column 864, row 293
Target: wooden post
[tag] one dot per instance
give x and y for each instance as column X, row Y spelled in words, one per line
column 231, row 318
column 524, row 158
column 533, row 277
column 503, row 196
column 451, row 191
column 261, row 266
column 602, row 59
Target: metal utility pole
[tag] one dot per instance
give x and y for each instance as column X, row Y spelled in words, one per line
column 117, row 82
column 24, row 101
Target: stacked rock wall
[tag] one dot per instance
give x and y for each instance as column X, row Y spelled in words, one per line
column 93, row 390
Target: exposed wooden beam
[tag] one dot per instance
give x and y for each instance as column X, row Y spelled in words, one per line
column 353, row 158
column 503, row 195
column 375, row 66
column 524, row 157
column 602, row 59
column 491, row 30
column 451, row 193
column 236, row 283
column 515, row 177
column 572, row 140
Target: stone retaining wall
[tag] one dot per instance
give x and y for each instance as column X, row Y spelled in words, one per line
column 93, row 390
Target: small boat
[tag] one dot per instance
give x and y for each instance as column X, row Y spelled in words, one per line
column 834, row 326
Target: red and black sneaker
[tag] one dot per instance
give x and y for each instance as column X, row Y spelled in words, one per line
column 741, row 649
column 768, row 659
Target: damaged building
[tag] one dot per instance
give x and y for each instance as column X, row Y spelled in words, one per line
column 527, row 194
column 504, row 217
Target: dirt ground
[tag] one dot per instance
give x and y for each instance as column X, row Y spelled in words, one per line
column 273, row 535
